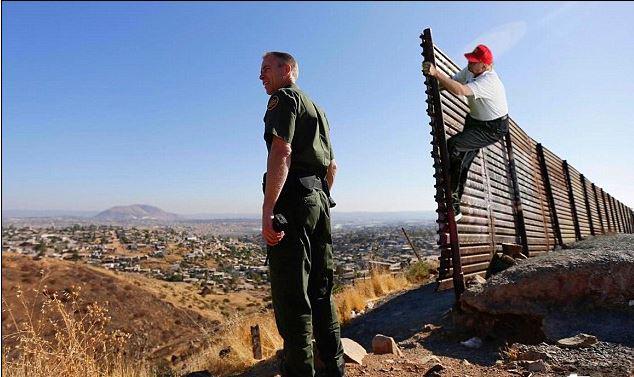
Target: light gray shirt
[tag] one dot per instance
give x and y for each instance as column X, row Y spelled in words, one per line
column 488, row 101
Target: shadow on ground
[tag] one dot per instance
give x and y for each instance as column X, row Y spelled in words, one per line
column 265, row 368
column 399, row 316
column 403, row 317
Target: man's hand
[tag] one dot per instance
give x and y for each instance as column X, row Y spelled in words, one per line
column 331, row 172
column 429, row 69
column 278, row 163
column 445, row 82
column 271, row 237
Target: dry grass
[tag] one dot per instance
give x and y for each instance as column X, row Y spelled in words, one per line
column 61, row 336
column 233, row 352
column 166, row 320
column 236, row 339
column 80, row 346
column 356, row 297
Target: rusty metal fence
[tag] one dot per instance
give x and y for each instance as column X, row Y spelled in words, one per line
column 517, row 192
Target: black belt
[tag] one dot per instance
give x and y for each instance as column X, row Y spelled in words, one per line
column 310, row 182
column 298, row 182
column 502, row 118
column 293, row 180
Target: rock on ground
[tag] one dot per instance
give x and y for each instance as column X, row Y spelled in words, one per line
column 600, row 359
column 353, row 352
column 560, row 294
column 578, row 341
column 382, row 344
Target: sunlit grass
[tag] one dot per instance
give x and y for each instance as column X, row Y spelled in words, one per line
column 62, row 336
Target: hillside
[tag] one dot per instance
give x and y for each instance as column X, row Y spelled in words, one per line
column 166, row 320
column 135, row 212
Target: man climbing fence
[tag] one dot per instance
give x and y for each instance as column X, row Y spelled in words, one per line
column 487, row 121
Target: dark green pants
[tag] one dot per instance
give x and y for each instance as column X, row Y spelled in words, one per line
column 301, row 270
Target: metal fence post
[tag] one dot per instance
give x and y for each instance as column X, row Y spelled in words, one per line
column 596, row 202
column 517, row 199
column 441, row 164
column 571, row 199
column 605, row 208
column 549, row 193
column 587, row 202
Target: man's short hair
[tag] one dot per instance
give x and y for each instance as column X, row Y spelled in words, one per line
column 286, row 58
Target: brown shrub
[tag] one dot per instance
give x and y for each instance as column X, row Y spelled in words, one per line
column 65, row 340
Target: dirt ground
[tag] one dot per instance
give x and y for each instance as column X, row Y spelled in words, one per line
column 420, row 321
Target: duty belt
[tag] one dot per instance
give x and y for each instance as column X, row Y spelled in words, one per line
column 311, row 182
column 308, row 182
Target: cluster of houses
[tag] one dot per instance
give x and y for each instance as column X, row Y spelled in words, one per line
column 361, row 250
column 238, row 263
column 243, row 267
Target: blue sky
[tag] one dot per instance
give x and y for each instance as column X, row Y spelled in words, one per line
column 117, row 103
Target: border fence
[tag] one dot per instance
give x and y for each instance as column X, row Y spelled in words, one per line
column 517, row 192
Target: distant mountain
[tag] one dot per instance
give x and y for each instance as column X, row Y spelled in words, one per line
column 135, row 212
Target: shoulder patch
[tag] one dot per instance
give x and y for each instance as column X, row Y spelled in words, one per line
column 273, row 101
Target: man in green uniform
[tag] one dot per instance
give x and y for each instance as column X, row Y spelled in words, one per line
column 300, row 173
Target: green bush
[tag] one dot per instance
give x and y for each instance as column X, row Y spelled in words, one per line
column 337, row 288
column 418, row 272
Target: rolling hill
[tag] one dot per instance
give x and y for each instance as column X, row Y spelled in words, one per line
column 165, row 319
column 135, row 212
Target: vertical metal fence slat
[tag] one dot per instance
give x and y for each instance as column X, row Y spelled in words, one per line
column 617, row 212
column 439, row 134
column 517, row 199
column 487, row 187
column 549, row 194
column 596, row 201
column 625, row 225
column 613, row 213
column 618, row 209
column 605, row 209
column 582, row 178
column 571, row 198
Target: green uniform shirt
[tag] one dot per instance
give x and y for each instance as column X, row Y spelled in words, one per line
column 294, row 117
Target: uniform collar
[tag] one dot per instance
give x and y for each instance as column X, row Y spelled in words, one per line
column 292, row 86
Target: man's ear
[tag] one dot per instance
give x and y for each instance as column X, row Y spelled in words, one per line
column 287, row 69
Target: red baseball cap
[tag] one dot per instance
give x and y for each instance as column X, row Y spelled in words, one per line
column 480, row 54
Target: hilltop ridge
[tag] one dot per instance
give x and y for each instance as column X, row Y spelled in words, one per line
column 135, row 212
